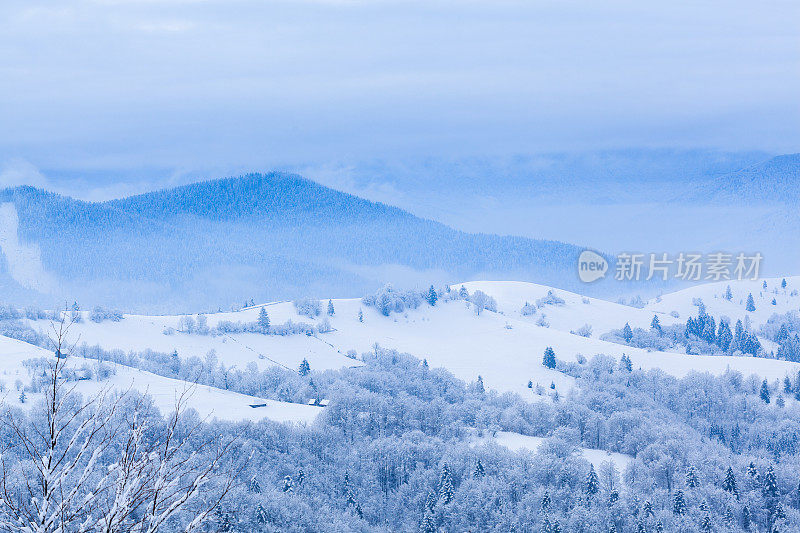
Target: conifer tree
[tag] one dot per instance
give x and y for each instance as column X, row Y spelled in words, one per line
column 463, row 293
column 729, row 484
column 625, row 363
column 678, row 503
column 431, row 296
column 783, row 283
column 627, row 333
column 479, row 470
column 752, row 471
column 263, row 320
column 764, row 394
column 592, row 482
column 546, row 500
column 360, row 315
column 705, row 525
column 331, row 310
column 479, row 386
column 751, row 304
column 648, row 509
column 549, row 359
column 770, row 483
column 305, row 368
column 655, row 325
column 728, row 293
column 746, row 518
column 691, row 477
column 428, row 523
column 446, row 489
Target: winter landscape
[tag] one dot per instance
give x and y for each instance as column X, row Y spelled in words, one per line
column 399, row 266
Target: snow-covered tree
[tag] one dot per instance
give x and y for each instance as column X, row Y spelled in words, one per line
column 70, row 488
column 627, row 332
column 549, row 358
column 764, row 393
column 729, row 483
column 331, row 310
column 305, row 368
column 263, row 320
column 678, row 503
column 592, row 482
column 431, row 296
column 446, row 490
column 751, row 304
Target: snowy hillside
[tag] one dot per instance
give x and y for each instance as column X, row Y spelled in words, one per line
column 505, row 347
column 209, row 402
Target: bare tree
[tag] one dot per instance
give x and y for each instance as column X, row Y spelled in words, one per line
column 156, row 472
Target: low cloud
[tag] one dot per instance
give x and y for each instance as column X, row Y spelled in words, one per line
column 16, row 172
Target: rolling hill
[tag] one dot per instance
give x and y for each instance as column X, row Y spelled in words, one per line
column 215, row 243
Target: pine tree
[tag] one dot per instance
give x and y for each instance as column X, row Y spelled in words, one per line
column 770, row 483
column 752, row 471
column 780, row 402
column 783, row 283
column 751, row 304
column 625, row 363
column 479, row 470
column 431, row 297
column 549, row 359
column 655, row 325
column 746, row 518
column 613, row 497
column 463, row 293
column 479, row 386
column 331, row 310
column 764, row 394
column 428, row 523
column 360, row 315
column 705, row 525
column 678, row 503
column 592, row 482
column 729, row 484
column 430, row 501
column 627, row 333
column 254, row 485
column 262, row 517
column 691, row 477
column 425, row 365
column 263, row 320
column 546, row 500
column 446, row 489
column 729, row 518
column 305, row 368
column 728, row 293
column 648, row 509
column 22, row 396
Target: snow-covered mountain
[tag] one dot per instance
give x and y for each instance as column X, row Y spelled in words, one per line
column 504, row 346
column 272, row 236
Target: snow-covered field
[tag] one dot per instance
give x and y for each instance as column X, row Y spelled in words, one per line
column 517, row 442
column 505, row 348
column 209, row 402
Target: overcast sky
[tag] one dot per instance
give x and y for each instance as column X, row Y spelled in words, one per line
column 163, row 89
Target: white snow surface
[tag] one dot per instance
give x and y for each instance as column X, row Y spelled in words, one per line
column 209, row 402
column 504, row 348
column 518, row 442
